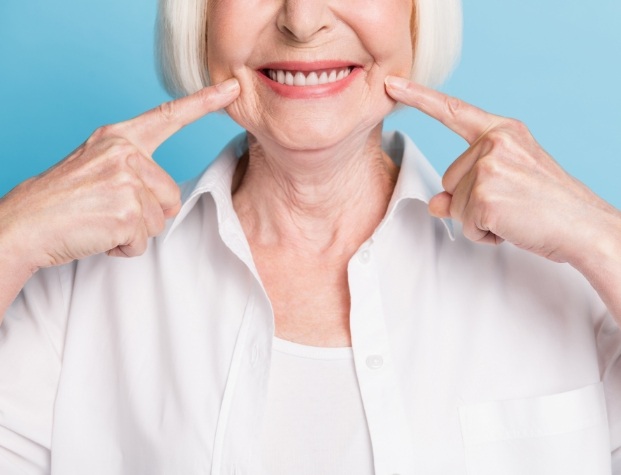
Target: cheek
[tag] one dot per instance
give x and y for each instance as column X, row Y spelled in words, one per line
column 232, row 34
column 387, row 36
column 383, row 25
column 226, row 51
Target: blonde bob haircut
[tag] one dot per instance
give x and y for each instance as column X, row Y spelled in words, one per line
column 182, row 48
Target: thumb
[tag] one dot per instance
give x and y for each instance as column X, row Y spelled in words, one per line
column 440, row 205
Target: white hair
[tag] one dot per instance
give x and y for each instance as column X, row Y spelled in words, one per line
column 182, row 45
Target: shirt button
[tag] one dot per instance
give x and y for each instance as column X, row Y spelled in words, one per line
column 254, row 355
column 364, row 256
column 375, row 361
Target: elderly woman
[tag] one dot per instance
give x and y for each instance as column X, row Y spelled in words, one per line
column 308, row 308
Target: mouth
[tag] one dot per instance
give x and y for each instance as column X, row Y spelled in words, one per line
column 299, row 78
column 309, row 80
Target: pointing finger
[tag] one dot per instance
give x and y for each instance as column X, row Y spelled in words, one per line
column 149, row 130
column 466, row 120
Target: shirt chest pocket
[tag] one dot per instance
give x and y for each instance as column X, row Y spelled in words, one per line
column 564, row 433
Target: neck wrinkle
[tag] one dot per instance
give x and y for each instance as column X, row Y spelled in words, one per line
column 315, row 202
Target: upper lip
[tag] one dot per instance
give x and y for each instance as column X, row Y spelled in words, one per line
column 307, row 66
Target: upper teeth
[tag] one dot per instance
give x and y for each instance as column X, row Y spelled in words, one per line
column 310, row 78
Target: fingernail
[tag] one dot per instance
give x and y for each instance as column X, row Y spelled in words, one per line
column 229, row 86
column 396, row 83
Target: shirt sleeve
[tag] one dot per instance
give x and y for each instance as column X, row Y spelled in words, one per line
column 31, row 346
column 608, row 335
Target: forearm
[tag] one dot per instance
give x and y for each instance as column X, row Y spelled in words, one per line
column 600, row 261
column 12, row 280
column 15, row 267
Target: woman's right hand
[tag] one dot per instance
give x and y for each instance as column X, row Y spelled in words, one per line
column 108, row 195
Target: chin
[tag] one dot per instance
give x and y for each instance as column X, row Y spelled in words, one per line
column 311, row 126
column 305, row 137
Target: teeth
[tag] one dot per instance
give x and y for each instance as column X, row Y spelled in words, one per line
column 312, row 78
column 299, row 79
column 288, row 79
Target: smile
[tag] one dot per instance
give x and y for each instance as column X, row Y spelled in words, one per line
column 307, row 78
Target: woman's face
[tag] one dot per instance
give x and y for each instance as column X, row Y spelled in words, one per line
column 311, row 71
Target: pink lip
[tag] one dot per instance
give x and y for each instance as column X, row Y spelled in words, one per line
column 305, row 66
column 309, row 92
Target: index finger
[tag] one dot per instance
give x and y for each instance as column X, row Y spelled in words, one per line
column 149, row 130
column 466, row 120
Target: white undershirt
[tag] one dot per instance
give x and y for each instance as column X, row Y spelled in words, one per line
column 314, row 421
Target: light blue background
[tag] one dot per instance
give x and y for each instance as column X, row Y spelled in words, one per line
column 67, row 67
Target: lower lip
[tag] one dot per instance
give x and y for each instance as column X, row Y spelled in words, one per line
column 310, row 92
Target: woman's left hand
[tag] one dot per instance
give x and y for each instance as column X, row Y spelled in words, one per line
column 506, row 187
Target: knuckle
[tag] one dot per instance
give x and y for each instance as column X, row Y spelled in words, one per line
column 97, row 135
column 517, row 126
column 127, row 184
column 103, row 132
column 167, row 111
column 500, row 140
column 487, row 168
column 207, row 95
column 483, row 200
column 453, row 106
column 514, row 132
column 136, row 247
column 487, row 219
column 120, row 148
column 128, row 216
column 487, row 143
column 471, row 231
column 478, row 196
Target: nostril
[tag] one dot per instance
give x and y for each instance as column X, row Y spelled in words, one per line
column 301, row 21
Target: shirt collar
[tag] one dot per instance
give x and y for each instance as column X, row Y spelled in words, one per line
column 217, row 180
column 417, row 179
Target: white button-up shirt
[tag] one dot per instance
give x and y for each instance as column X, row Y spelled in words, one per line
column 470, row 359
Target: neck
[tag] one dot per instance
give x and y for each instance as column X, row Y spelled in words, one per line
column 316, row 201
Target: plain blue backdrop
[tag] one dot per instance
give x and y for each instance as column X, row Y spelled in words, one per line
column 67, row 67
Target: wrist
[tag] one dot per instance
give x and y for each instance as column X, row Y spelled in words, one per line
column 599, row 259
column 15, row 265
column 18, row 254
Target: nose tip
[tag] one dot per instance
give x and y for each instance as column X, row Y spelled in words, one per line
column 303, row 20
